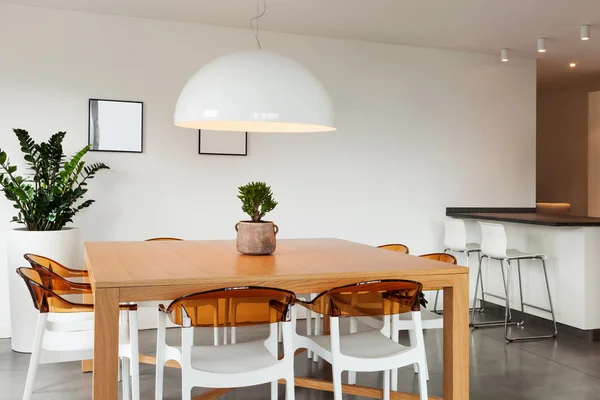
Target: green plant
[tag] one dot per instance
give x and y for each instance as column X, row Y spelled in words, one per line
column 46, row 198
column 257, row 200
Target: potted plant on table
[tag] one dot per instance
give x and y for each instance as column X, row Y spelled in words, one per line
column 46, row 199
column 256, row 237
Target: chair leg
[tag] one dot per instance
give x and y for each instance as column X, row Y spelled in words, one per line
column 337, row 384
column 274, row 390
column 290, row 393
column 419, row 369
column 34, row 361
column 161, row 345
column 386, row 384
column 186, row 392
column 126, row 378
column 135, row 357
column 308, row 330
column 317, row 332
column 394, row 383
column 423, row 385
column 353, row 329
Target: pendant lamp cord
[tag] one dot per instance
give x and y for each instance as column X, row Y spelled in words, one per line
column 258, row 15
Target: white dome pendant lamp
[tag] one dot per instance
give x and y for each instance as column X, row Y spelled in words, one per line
column 255, row 91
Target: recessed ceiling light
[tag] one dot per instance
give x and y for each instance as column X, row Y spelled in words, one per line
column 572, row 65
column 504, row 55
column 585, row 32
column 541, row 44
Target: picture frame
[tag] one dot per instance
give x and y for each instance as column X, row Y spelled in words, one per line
column 116, row 126
column 222, row 143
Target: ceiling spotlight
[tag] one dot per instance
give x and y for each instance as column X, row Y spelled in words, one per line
column 504, row 55
column 585, row 32
column 541, row 45
column 572, row 65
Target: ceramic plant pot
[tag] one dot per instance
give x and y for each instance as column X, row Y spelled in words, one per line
column 256, row 238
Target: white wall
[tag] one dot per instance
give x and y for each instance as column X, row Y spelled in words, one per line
column 419, row 130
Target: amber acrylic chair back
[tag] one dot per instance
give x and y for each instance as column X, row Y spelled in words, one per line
column 442, row 257
column 232, row 307
column 47, row 300
column 374, row 298
column 58, row 284
column 36, row 260
column 161, row 239
column 400, row 248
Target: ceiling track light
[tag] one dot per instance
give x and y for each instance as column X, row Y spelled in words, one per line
column 585, row 32
column 504, row 55
column 541, row 45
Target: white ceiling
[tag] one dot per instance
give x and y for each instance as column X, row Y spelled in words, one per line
column 482, row 26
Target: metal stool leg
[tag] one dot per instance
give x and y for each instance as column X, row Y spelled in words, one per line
column 551, row 310
column 476, row 289
column 482, row 308
column 508, row 316
column 521, row 293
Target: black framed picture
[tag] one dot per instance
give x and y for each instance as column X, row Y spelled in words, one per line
column 222, row 143
column 116, row 125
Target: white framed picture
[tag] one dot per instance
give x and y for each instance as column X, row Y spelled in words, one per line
column 223, row 143
column 116, row 125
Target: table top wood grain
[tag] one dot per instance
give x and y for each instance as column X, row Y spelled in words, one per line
column 147, row 264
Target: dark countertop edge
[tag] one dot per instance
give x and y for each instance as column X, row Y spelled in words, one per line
column 495, row 210
column 521, row 221
column 472, row 211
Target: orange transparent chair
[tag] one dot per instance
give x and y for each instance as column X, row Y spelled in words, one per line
column 153, row 304
column 373, row 350
column 401, row 248
column 430, row 320
column 353, row 323
column 232, row 365
column 65, row 330
column 36, row 260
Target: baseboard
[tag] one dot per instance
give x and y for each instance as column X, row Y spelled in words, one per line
column 590, row 335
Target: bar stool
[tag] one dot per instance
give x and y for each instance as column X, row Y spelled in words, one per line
column 455, row 241
column 494, row 247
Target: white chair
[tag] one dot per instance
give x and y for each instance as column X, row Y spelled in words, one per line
column 455, row 241
column 233, row 365
column 429, row 319
column 65, row 330
column 373, row 350
column 494, row 247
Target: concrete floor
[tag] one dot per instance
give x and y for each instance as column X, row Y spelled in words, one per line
column 564, row 369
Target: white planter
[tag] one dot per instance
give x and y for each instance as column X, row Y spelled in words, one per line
column 63, row 246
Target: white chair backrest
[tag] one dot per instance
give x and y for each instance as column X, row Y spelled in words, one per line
column 455, row 234
column 493, row 240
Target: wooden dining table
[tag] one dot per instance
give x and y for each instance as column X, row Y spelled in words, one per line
column 145, row 271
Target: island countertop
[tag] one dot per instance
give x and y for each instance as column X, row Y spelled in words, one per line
column 521, row 216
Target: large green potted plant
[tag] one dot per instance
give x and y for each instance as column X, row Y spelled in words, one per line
column 256, row 237
column 46, row 198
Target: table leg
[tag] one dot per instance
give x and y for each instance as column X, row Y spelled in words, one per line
column 106, row 344
column 456, row 339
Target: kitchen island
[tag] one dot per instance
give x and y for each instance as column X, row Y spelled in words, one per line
column 572, row 244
